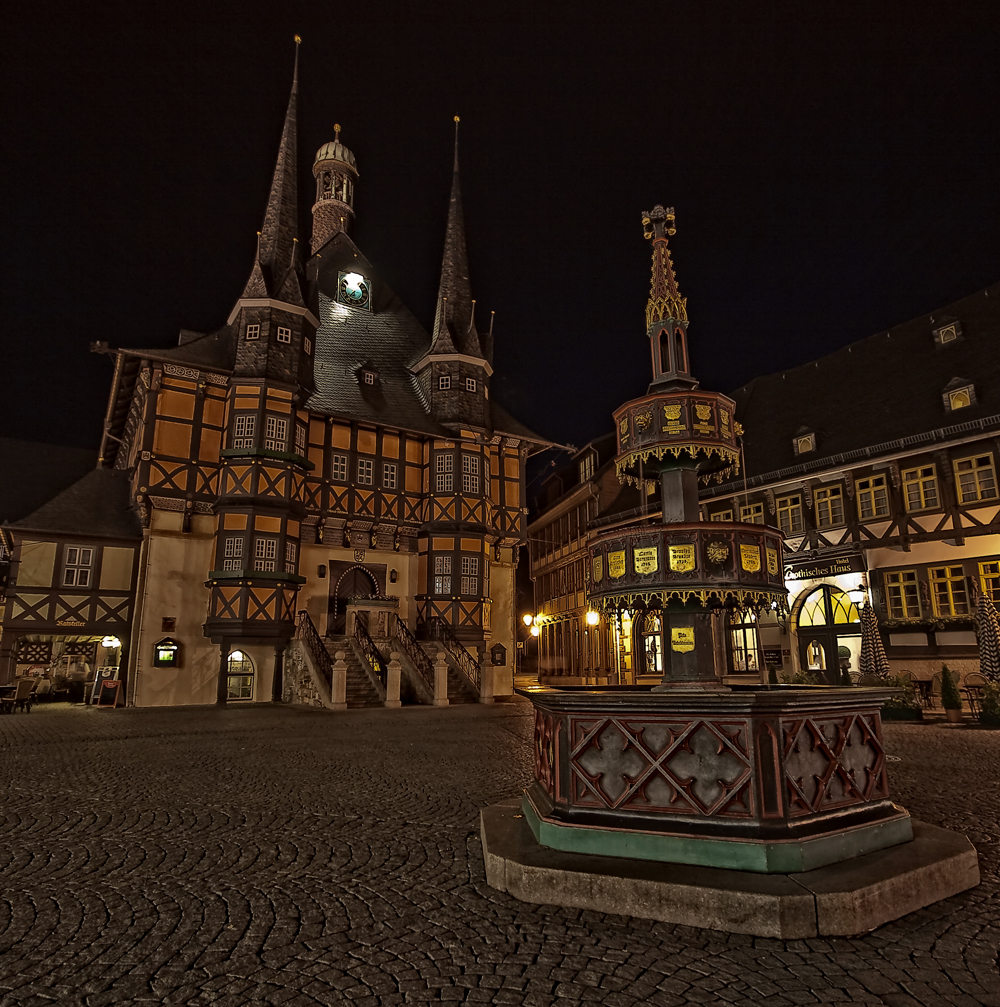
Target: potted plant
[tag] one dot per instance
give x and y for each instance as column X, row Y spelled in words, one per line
column 989, row 715
column 905, row 704
column 951, row 698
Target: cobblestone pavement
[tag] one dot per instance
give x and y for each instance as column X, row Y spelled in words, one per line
column 291, row 856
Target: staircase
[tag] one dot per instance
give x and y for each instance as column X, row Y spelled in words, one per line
column 459, row 690
column 360, row 690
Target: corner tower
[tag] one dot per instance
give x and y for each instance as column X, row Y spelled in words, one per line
column 336, row 173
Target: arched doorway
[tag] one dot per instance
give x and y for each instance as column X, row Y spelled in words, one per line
column 829, row 630
column 354, row 582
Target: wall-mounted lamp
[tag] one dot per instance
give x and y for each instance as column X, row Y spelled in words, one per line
column 527, row 619
column 858, row 595
column 593, row 618
column 321, row 571
column 393, row 576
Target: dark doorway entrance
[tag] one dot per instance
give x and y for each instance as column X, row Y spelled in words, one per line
column 351, row 580
column 829, row 629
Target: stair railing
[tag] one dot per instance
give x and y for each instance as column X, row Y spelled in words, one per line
column 418, row 656
column 467, row 664
column 371, row 653
column 305, row 630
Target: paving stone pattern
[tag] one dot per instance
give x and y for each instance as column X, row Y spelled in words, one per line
column 279, row 855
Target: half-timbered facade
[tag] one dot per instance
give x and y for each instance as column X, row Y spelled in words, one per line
column 319, row 446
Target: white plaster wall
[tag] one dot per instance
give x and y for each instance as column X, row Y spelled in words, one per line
column 502, row 595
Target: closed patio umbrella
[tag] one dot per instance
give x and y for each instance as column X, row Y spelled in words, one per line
column 873, row 661
column 988, row 635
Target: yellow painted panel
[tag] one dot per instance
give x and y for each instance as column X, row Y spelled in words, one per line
column 442, row 544
column 116, row 568
column 316, row 430
column 390, row 446
column 279, row 393
column 341, row 436
column 293, row 528
column 315, row 455
column 472, row 545
column 179, row 405
column 211, row 444
column 244, row 402
column 278, row 405
column 247, row 390
column 413, row 450
column 272, row 524
column 233, row 522
column 511, row 467
column 512, row 495
column 172, row 439
column 413, row 480
column 366, row 441
column 38, row 560
column 213, row 411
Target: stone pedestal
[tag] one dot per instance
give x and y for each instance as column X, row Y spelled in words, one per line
column 393, row 673
column 441, row 679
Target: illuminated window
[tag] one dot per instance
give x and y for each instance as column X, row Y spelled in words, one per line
column 901, row 594
column 290, row 553
column 233, row 553
column 790, row 514
column 959, row 398
column 444, row 382
column 470, row 384
column 338, row 466
column 444, row 474
column 442, row 575
column 815, row 612
column 873, row 497
column 265, row 552
column 470, row 474
column 240, row 676
column 920, row 488
column 804, row 443
column 77, row 570
column 752, row 514
column 284, row 335
column 948, row 590
column 470, row 575
column 389, row 476
column 721, row 515
column 253, row 332
column 243, row 431
column 275, row 433
column 829, row 503
column 976, row 478
column 989, row 579
column 366, row 471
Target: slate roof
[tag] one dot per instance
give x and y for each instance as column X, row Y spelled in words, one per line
column 876, row 391
column 31, row 473
column 98, row 505
column 213, row 352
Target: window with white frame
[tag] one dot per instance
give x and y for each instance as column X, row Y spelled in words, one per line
column 290, row 553
column 444, row 473
column 829, row 502
column 872, row 497
column 284, row 335
column 366, row 471
column 442, row 575
column 300, row 439
column 244, row 425
column 307, row 345
column 275, row 433
column 265, row 552
column 338, row 468
column 470, row 473
column 920, row 488
column 239, row 677
column 253, row 331
column 470, row 575
column 444, row 382
column 470, row 384
column 389, row 475
column 752, row 513
column 976, row 478
column 790, row 514
column 232, row 558
column 78, row 566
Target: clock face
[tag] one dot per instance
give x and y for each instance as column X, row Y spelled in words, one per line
column 353, row 290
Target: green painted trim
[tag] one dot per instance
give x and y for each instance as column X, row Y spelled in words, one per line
column 281, row 456
column 748, row 855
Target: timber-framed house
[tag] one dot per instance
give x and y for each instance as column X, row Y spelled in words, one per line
column 320, row 446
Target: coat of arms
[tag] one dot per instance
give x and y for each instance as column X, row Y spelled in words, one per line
column 717, row 552
column 681, row 558
column 616, row 564
column 750, row 558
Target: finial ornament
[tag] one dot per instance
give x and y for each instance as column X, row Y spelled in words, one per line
column 457, row 119
column 658, row 223
column 336, row 132
column 298, row 40
column 665, row 299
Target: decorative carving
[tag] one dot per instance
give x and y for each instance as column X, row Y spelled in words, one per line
column 704, row 413
column 644, row 420
column 545, row 750
column 769, row 497
column 181, row 372
column 717, row 552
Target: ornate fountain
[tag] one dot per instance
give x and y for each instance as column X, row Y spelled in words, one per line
column 756, row 791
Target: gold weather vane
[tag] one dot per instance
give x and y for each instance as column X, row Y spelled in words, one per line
column 298, row 40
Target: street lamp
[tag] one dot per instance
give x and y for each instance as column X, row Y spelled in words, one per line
column 593, row 618
column 527, row 619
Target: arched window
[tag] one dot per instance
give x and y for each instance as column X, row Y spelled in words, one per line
column 240, row 676
column 829, row 631
column 680, row 363
column 665, row 351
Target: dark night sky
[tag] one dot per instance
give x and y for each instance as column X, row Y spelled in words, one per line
column 834, row 168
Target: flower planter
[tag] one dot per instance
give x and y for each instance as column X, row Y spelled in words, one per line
column 954, row 716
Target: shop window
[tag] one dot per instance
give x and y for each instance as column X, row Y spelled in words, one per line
column 948, row 593
column 989, row 579
column 442, row 575
column 444, row 473
column 829, row 503
column 976, row 478
column 790, row 514
column 920, row 488
column 828, row 607
column 873, row 497
column 78, row 566
column 901, row 595
column 752, row 513
column 239, row 672
column 470, row 473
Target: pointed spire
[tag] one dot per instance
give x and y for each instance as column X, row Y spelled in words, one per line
column 281, row 217
column 454, row 321
column 665, row 299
